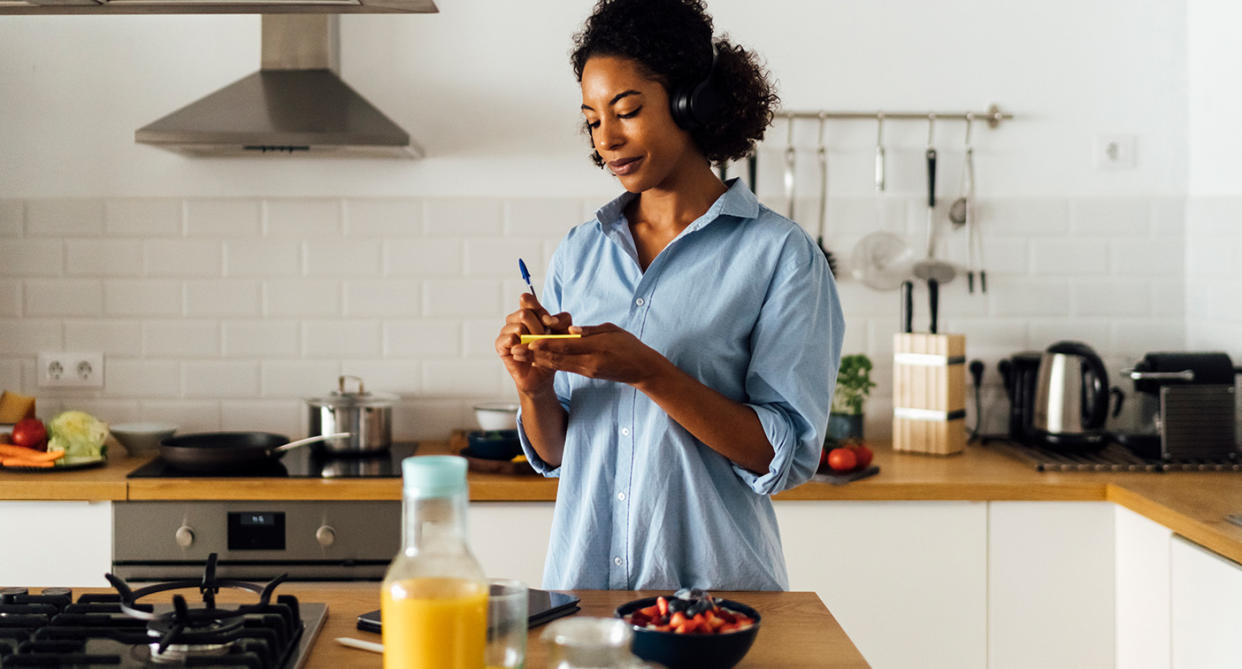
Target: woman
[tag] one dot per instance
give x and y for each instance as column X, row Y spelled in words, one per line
column 710, row 327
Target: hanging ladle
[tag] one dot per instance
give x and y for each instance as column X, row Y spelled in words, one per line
column 931, row 268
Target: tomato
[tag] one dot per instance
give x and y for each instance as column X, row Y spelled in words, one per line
column 864, row 455
column 29, row 432
column 842, row 460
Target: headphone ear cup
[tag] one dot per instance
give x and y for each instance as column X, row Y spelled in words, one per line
column 680, row 106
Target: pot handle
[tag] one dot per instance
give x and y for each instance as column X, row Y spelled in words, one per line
column 341, row 383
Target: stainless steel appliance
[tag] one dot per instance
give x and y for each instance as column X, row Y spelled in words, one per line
column 1187, row 406
column 367, row 416
column 319, row 540
column 121, row 630
column 1072, row 397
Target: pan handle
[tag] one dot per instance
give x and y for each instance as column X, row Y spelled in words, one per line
column 310, row 440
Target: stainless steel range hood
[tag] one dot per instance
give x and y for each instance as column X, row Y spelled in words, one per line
column 294, row 105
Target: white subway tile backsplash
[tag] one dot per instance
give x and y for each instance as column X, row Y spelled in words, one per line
column 423, row 257
column 422, row 339
column 463, row 217
column 174, row 257
column 64, row 297
column 188, row 416
column 147, row 297
column 1112, row 217
column 338, row 339
column 856, row 300
column 480, row 336
column 382, row 297
column 285, row 417
column 1168, row 299
column 30, row 336
column 223, row 218
column 144, row 218
column 142, row 378
column 103, row 258
column 31, row 257
column 857, row 334
column 10, row 298
column 250, row 257
column 550, row 217
column 431, row 418
column 390, row 376
column 1111, row 298
column 462, row 377
column 300, row 378
column 1213, row 217
column 343, row 258
column 225, row 297
column 181, row 338
column 498, row 257
column 1159, row 256
column 1168, row 217
column 302, row 297
column 1212, row 256
column 303, row 219
column 467, row 297
column 1069, row 257
column 1018, row 296
column 68, row 217
column 261, row 339
column 1094, row 331
column 1022, row 217
column 110, row 411
column 220, row 379
column 385, row 218
column 114, row 337
column 12, row 218
column 1005, row 256
column 1139, row 336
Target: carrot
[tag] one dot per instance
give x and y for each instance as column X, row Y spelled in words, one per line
column 20, row 462
column 7, row 450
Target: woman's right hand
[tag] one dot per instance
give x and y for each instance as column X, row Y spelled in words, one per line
column 530, row 318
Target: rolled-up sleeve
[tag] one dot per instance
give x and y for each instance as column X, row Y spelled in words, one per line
column 795, row 353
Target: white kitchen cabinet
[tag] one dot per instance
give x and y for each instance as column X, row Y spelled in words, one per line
column 510, row 539
column 1142, row 564
column 1206, row 597
column 906, row 580
column 1051, row 585
column 55, row 543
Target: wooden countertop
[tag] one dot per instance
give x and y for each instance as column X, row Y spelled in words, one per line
column 1193, row 505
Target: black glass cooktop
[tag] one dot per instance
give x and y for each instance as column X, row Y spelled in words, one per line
column 305, row 462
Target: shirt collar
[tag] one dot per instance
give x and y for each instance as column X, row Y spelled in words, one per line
column 737, row 201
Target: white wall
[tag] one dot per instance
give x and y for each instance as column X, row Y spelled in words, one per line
column 89, row 221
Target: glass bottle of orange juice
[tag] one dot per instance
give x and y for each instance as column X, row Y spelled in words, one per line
column 434, row 596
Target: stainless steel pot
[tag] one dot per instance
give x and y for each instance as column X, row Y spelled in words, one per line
column 366, row 416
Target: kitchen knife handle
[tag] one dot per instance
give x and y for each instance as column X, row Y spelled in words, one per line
column 933, row 302
column 907, row 306
column 931, row 178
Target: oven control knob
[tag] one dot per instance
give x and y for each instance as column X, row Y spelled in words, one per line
column 185, row 536
column 325, row 535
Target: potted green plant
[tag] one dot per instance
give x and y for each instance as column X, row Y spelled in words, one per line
column 854, row 384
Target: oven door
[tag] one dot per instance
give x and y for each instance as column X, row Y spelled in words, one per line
column 308, row 541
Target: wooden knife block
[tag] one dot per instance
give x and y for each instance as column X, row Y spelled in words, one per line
column 929, row 393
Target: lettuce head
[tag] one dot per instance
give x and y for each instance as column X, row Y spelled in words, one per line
column 78, row 434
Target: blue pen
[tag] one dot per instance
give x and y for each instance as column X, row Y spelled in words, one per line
column 526, row 277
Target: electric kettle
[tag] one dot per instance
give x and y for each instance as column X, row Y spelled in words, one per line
column 1072, row 397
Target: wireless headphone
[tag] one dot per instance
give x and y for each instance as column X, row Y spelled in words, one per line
column 696, row 105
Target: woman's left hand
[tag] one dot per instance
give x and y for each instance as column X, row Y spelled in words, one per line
column 604, row 352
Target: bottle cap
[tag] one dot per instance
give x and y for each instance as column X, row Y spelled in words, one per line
column 434, row 475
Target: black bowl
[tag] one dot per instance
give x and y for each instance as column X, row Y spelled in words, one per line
column 692, row 651
column 494, row 444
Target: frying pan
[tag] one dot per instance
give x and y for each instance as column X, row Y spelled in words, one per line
column 222, row 451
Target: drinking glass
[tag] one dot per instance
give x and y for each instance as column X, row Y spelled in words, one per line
column 506, row 624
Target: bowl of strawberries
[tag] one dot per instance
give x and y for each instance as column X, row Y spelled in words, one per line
column 691, row 629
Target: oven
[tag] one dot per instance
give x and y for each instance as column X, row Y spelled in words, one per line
column 332, row 540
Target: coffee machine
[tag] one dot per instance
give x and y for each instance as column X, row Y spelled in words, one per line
column 1019, row 372
column 1187, row 406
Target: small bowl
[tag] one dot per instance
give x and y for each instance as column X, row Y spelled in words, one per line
column 496, row 415
column 689, row 651
column 495, row 445
column 142, row 438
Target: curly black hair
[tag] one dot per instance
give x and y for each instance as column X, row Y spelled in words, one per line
column 671, row 40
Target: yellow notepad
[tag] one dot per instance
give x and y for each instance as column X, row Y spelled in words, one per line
column 528, row 338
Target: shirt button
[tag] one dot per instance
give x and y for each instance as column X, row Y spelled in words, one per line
column 617, row 561
column 639, row 301
column 621, row 496
column 625, row 431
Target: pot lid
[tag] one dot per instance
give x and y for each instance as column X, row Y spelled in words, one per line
column 359, row 398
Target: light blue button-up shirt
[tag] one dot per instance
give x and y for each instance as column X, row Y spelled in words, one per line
column 743, row 301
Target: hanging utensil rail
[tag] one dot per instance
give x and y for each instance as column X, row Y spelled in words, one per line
column 993, row 116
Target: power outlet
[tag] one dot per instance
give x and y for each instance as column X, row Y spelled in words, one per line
column 1116, row 152
column 71, row 370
